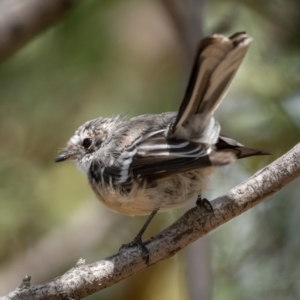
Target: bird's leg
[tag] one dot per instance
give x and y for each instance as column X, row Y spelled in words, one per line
column 137, row 241
column 203, row 202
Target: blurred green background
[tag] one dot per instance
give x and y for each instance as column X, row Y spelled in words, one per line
column 114, row 57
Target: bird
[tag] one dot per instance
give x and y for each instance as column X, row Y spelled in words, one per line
column 158, row 162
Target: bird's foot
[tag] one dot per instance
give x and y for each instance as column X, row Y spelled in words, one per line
column 139, row 243
column 203, row 202
column 138, row 239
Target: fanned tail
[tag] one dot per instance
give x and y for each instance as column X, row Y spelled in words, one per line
column 217, row 61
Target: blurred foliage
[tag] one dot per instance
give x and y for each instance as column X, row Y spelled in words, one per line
column 116, row 57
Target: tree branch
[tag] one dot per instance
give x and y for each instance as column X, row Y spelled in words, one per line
column 67, row 242
column 22, row 20
column 84, row 280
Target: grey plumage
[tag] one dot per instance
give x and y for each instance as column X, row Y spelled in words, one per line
column 158, row 162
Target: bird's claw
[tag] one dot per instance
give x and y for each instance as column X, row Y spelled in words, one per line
column 203, row 202
column 139, row 243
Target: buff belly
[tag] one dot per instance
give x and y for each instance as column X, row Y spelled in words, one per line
column 163, row 194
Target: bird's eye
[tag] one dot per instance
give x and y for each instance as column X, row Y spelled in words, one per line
column 87, row 143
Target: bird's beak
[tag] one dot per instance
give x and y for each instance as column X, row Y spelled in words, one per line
column 63, row 156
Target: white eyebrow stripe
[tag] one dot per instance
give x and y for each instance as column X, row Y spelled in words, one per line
column 75, row 139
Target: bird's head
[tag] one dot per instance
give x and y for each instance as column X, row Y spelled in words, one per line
column 88, row 138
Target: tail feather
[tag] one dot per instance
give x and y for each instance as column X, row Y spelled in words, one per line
column 217, row 61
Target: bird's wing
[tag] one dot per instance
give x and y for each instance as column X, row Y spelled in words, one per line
column 155, row 158
column 148, row 158
column 159, row 157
